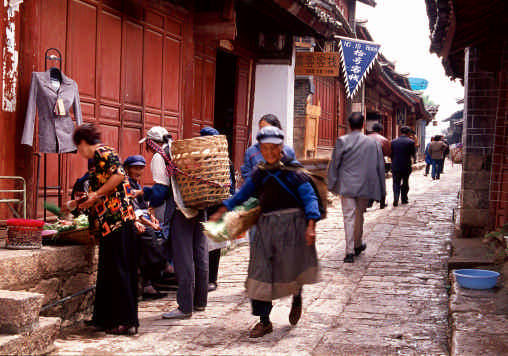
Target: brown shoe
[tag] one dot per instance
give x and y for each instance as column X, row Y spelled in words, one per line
column 296, row 311
column 261, row 330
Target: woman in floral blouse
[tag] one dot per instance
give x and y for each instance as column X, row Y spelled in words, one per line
column 111, row 218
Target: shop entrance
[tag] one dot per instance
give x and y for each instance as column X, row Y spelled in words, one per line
column 225, row 84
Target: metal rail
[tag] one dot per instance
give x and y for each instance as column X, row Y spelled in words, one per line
column 13, row 200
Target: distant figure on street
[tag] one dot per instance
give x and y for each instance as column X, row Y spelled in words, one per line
column 387, row 150
column 403, row 149
column 357, row 174
column 428, row 160
column 437, row 150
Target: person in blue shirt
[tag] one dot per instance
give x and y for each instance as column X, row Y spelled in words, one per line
column 282, row 253
column 428, row 159
column 253, row 154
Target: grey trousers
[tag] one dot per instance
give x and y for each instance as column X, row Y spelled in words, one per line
column 190, row 258
column 352, row 210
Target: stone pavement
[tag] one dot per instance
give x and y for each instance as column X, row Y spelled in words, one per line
column 392, row 300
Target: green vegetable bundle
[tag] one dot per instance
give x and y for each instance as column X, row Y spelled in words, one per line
column 233, row 223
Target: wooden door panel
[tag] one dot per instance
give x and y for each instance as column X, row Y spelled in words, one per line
column 110, row 114
column 54, row 27
column 326, row 97
column 82, row 44
column 110, row 135
column 208, row 92
column 152, row 74
column 172, row 75
column 110, row 56
column 133, row 55
column 198, row 90
column 242, row 110
column 130, row 139
column 78, row 167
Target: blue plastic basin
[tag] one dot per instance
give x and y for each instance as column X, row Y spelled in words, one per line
column 476, row 278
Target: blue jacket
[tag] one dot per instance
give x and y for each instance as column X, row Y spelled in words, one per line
column 297, row 183
column 253, row 156
column 428, row 159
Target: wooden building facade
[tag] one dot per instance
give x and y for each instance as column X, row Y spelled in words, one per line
column 141, row 63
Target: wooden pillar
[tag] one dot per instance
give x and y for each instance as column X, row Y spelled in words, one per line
column 29, row 56
column 188, row 75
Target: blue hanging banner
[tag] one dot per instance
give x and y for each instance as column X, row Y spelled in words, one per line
column 357, row 58
column 418, row 83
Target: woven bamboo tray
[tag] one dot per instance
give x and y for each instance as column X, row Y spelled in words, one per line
column 203, row 170
column 71, row 237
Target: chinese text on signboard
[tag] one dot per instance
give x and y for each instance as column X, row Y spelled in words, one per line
column 317, row 63
column 357, row 58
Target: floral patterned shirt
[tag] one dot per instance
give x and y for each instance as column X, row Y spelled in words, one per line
column 111, row 211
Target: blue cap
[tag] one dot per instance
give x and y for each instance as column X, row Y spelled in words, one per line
column 136, row 160
column 208, row 131
column 270, row 134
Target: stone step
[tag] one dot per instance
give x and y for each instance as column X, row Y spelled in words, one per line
column 19, row 311
column 37, row 342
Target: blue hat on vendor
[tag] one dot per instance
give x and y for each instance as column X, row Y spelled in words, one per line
column 136, row 160
column 270, row 134
column 208, row 131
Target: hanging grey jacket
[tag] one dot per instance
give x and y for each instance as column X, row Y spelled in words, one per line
column 55, row 132
column 357, row 168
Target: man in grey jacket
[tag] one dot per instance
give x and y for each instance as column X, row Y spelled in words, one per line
column 357, row 174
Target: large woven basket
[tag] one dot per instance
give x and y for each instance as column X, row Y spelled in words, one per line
column 203, row 175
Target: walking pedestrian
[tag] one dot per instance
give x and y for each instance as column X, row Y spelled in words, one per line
column 253, row 154
column 403, row 149
column 112, row 217
column 282, row 254
column 436, row 151
column 377, row 129
column 357, row 174
column 214, row 248
column 428, row 159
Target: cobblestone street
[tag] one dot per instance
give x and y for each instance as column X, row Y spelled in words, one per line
column 392, row 300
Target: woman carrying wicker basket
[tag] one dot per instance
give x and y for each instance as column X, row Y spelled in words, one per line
column 282, row 254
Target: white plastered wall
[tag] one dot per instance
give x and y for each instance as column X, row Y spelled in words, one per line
column 274, row 94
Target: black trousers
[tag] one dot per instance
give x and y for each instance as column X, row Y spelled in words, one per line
column 400, row 186
column 116, row 299
column 213, row 260
column 263, row 308
column 190, row 259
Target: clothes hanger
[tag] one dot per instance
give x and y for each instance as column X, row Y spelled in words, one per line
column 55, row 73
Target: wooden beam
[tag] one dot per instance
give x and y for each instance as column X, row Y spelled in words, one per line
column 228, row 11
column 212, row 26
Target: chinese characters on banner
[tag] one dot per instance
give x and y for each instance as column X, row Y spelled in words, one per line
column 317, row 63
column 357, row 59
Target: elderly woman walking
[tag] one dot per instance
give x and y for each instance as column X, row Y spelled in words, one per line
column 282, row 254
column 112, row 218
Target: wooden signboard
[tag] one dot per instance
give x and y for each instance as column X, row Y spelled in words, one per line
column 317, row 63
column 313, row 112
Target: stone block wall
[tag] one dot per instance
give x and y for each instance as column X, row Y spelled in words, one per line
column 302, row 91
column 499, row 175
column 482, row 91
column 56, row 272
